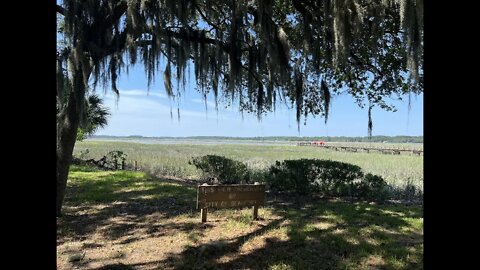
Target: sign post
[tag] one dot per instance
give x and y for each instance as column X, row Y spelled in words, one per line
column 230, row 196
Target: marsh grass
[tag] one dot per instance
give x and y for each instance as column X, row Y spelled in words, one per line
column 172, row 159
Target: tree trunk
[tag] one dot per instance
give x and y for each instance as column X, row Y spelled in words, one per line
column 67, row 127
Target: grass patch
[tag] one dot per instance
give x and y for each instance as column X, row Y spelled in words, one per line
column 90, row 185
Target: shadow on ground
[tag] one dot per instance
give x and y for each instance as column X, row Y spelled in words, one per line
column 115, row 206
column 360, row 230
column 320, row 234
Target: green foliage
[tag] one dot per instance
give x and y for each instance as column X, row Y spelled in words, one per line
column 115, row 160
column 225, row 170
column 96, row 115
column 258, row 175
column 81, row 135
column 372, row 187
column 331, row 178
column 303, row 176
column 410, row 192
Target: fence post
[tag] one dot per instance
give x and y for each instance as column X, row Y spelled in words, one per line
column 255, row 212
column 255, row 207
column 203, row 213
column 135, row 165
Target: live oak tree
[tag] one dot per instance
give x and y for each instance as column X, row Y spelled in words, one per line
column 258, row 53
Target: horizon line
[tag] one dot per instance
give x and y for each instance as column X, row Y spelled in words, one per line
column 200, row 136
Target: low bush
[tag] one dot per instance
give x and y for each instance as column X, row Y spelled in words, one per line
column 224, row 170
column 372, row 187
column 331, row 178
column 304, row 176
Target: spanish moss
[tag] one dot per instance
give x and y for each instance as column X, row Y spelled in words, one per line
column 243, row 51
column 167, row 80
column 326, row 99
column 370, row 122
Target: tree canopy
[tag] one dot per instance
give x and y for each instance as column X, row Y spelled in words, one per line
column 256, row 52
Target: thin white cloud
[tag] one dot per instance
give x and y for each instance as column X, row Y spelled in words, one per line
column 137, row 106
column 136, row 92
column 142, row 93
column 134, row 104
column 210, row 104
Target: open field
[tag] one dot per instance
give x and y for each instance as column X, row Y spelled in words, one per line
column 172, row 159
column 126, row 220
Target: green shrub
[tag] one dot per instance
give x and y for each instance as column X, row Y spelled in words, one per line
column 225, row 170
column 372, row 187
column 332, row 178
column 410, row 191
column 284, row 176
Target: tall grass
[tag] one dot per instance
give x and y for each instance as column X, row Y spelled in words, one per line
column 172, row 159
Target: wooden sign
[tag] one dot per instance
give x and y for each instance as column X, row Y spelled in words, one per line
column 230, row 196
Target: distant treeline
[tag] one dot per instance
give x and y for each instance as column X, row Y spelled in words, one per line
column 384, row 139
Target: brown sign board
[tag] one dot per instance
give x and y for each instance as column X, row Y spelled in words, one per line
column 229, row 196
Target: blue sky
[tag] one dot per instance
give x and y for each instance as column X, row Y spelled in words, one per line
column 139, row 112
